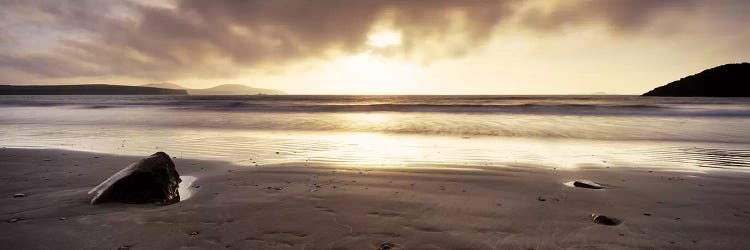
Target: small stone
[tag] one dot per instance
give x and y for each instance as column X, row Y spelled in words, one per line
column 605, row 220
column 63, row 218
column 647, row 214
column 539, row 198
column 386, row 246
column 195, row 233
column 587, row 184
column 13, row 220
column 19, row 195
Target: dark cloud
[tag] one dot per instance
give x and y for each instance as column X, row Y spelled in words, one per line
column 633, row 16
column 213, row 37
column 222, row 37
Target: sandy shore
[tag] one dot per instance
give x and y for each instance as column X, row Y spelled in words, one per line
column 299, row 206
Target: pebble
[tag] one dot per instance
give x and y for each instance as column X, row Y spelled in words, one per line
column 587, row 184
column 12, row 220
column 605, row 220
column 19, row 195
column 386, row 246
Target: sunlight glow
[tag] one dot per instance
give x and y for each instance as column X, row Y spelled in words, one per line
column 368, row 73
column 384, row 39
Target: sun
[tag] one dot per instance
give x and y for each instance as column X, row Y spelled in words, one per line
column 384, row 39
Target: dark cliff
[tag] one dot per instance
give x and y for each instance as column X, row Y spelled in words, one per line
column 729, row 80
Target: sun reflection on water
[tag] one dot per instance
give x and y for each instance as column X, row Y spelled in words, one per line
column 258, row 148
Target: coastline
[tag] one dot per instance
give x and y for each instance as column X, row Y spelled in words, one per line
column 291, row 206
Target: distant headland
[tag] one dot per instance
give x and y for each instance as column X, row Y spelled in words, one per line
column 729, row 80
column 223, row 89
column 148, row 89
column 86, row 89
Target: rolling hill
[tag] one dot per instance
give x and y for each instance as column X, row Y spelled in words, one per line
column 224, row 89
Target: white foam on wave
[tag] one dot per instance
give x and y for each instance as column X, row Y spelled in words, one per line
column 186, row 187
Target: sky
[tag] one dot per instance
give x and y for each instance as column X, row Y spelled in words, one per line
column 373, row 46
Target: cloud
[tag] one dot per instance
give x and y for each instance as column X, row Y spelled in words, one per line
column 198, row 38
column 619, row 15
column 218, row 37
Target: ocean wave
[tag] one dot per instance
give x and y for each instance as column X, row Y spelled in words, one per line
column 542, row 105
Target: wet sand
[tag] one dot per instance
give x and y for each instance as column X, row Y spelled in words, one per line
column 307, row 206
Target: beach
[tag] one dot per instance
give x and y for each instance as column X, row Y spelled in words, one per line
column 318, row 206
column 381, row 172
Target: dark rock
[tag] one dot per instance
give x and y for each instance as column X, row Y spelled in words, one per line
column 729, row 80
column 605, row 220
column 152, row 179
column 587, row 184
column 19, row 195
column 386, row 246
column 539, row 198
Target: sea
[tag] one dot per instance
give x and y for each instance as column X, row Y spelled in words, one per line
column 689, row 133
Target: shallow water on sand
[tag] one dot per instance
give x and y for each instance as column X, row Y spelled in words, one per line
column 562, row 132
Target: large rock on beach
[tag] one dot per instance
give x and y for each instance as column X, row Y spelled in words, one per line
column 151, row 180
